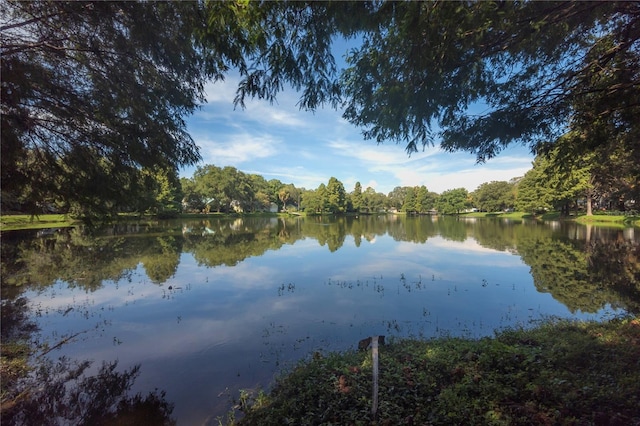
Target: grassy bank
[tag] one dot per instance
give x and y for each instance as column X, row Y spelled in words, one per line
column 599, row 219
column 25, row 221
column 558, row 373
column 609, row 220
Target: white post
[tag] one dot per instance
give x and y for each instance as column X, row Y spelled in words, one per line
column 374, row 356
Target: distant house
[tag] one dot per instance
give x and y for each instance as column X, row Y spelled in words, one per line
column 236, row 206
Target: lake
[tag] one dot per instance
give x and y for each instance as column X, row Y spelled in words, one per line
column 209, row 307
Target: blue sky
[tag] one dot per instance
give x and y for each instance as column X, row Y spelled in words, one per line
column 304, row 148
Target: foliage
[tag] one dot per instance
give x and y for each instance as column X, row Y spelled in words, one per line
column 453, row 201
column 109, row 85
column 373, row 201
column 23, row 221
column 163, row 194
column 494, row 196
column 336, row 196
column 356, row 197
column 557, row 373
column 534, row 69
column 532, row 193
column 92, row 93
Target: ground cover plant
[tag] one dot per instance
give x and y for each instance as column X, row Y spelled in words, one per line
column 560, row 372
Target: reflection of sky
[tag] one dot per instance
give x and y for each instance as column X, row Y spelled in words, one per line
column 224, row 328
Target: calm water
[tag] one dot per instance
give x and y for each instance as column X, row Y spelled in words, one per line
column 209, row 307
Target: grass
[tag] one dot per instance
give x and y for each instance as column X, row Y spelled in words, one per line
column 601, row 220
column 561, row 372
column 25, row 221
column 610, row 220
column 22, row 221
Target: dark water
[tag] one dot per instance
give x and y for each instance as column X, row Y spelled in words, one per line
column 209, row 307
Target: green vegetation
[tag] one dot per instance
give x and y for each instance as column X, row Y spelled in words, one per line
column 557, row 373
column 98, row 129
column 24, row 221
column 613, row 219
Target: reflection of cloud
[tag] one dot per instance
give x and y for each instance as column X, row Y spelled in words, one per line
column 468, row 245
column 438, row 251
column 244, row 276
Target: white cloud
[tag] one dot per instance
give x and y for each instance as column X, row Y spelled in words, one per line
column 236, row 149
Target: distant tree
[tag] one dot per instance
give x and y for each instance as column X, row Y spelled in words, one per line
column 494, row 196
column 284, row 195
column 260, row 188
column 220, row 187
column 531, row 195
column 356, row 197
column 316, row 201
column 373, row 201
column 555, row 184
column 289, row 193
column 425, row 199
column 192, row 200
column 453, row 201
column 163, row 192
column 397, row 196
column 409, row 204
column 336, row 196
column 274, row 187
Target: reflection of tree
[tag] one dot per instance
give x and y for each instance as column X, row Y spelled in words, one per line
column 566, row 259
column 227, row 243
column 499, row 234
column 583, row 268
column 163, row 263
column 327, row 232
column 616, row 265
column 60, row 393
column 80, row 260
column 570, row 274
column 39, row 391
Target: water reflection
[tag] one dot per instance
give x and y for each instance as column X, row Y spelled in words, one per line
column 40, row 391
column 210, row 306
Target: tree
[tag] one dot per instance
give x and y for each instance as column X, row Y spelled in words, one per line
column 425, row 199
column 531, row 195
column 409, row 204
column 534, row 69
column 453, row 201
column 289, row 193
column 494, row 196
column 163, row 194
column 93, row 92
column 356, row 197
column 315, row 201
column 220, row 187
column 557, row 184
column 336, row 196
column 372, row 201
column 397, row 196
column 192, row 200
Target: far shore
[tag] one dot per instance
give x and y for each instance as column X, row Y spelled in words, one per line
column 14, row 222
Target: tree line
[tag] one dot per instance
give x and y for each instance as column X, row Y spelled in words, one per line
column 226, row 189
